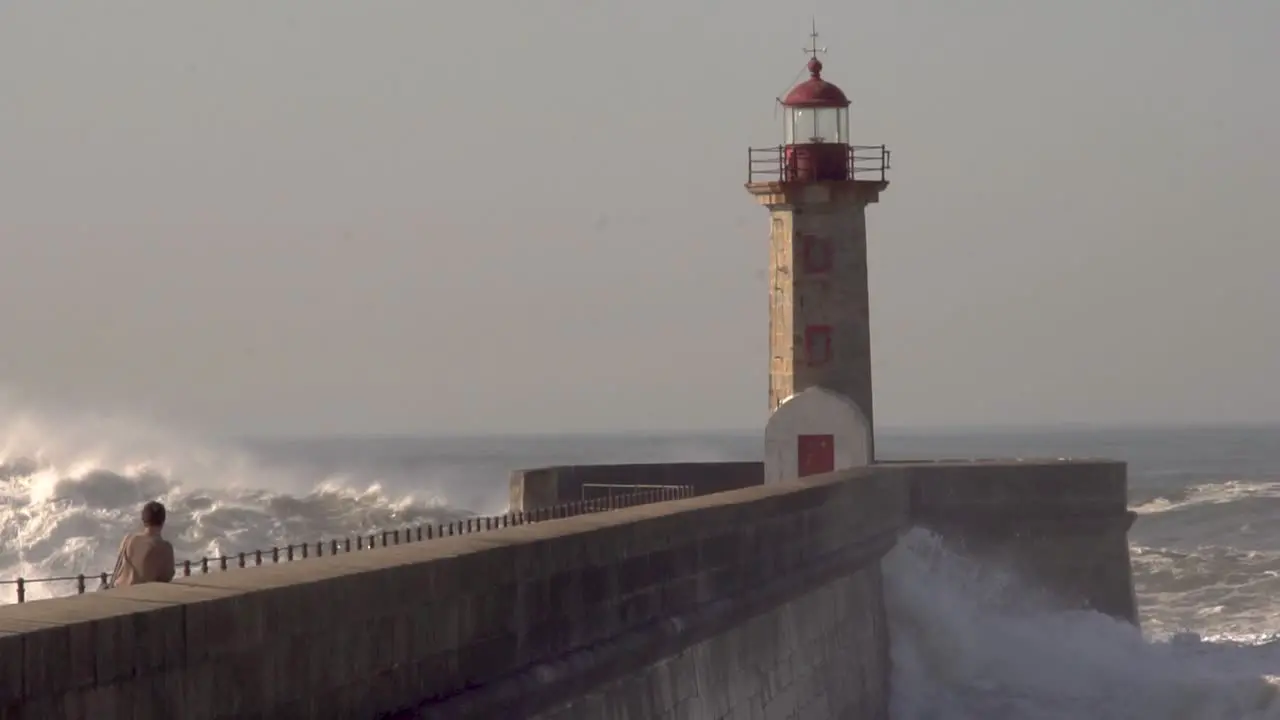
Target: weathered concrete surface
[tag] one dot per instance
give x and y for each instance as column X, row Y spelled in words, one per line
column 819, row 656
column 1062, row 524
column 504, row 624
column 544, row 487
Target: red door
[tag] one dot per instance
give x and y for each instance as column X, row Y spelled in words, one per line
column 816, row 454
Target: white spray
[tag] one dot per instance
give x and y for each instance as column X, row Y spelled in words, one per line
column 970, row 644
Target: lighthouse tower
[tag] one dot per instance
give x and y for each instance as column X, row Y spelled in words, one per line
column 817, row 186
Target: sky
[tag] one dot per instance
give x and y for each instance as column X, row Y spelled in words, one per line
column 327, row 216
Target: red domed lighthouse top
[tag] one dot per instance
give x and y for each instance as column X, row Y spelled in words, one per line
column 815, row 92
column 815, row 144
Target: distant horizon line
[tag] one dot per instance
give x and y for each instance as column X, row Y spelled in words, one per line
column 889, row 430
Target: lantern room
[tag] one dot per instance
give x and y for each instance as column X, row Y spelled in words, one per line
column 817, row 112
column 816, row 127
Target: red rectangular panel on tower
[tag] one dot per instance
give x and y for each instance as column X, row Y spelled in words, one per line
column 815, row 255
column 815, row 454
column 817, row 345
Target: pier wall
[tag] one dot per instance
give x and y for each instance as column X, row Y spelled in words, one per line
column 543, row 487
column 1060, row 525
column 761, row 600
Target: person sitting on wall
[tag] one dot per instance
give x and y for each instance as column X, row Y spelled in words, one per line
column 145, row 556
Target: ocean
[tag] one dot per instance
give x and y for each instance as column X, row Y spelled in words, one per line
column 968, row 643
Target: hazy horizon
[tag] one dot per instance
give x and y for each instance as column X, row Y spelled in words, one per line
column 327, row 218
column 677, row 433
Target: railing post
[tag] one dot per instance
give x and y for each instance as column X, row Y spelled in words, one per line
column 429, row 533
column 186, row 568
column 347, row 544
column 333, row 547
column 241, row 559
column 204, row 565
column 304, row 550
column 80, row 584
column 222, row 562
column 275, row 554
column 420, row 532
column 257, row 557
column 289, row 553
column 22, row 590
column 104, row 578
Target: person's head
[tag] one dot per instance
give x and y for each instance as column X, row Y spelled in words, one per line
column 153, row 515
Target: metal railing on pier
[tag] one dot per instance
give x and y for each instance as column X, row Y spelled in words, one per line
column 604, row 491
column 387, row 538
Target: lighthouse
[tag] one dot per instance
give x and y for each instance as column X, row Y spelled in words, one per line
column 817, row 185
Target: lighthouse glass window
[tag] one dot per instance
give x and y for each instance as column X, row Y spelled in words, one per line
column 817, row 125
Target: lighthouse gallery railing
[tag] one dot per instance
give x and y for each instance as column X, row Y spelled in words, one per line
column 770, row 164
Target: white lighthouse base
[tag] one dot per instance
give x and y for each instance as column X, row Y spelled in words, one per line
column 812, row 432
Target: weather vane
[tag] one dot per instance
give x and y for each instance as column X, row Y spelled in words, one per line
column 813, row 49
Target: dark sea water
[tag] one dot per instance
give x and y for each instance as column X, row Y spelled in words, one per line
column 1206, row 548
